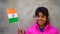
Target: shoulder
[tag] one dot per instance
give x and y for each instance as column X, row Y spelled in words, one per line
column 32, row 28
column 54, row 29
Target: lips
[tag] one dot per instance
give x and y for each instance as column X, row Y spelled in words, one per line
column 40, row 22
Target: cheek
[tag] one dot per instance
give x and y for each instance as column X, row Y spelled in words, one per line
column 37, row 19
column 44, row 19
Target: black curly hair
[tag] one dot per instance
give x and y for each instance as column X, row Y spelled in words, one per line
column 44, row 10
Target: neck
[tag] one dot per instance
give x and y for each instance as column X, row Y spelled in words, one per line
column 41, row 26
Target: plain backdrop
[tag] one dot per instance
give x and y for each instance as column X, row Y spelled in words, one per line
column 25, row 11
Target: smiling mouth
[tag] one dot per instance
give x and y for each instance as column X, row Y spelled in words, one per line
column 40, row 21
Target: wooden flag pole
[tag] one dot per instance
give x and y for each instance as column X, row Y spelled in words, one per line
column 18, row 25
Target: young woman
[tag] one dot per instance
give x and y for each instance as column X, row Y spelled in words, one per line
column 41, row 25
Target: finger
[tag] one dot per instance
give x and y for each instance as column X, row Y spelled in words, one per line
column 23, row 31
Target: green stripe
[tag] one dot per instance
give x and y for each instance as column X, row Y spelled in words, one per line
column 12, row 20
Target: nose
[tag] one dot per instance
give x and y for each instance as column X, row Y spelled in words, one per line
column 40, row 18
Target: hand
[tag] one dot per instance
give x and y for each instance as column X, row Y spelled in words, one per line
column 20, row 31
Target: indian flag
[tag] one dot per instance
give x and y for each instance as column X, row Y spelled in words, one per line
column 12, row 15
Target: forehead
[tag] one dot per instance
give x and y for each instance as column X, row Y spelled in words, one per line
column 40, row 14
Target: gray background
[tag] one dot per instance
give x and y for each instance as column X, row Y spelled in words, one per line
column 25, row 11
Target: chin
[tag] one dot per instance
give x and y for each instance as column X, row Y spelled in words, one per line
column 41, row 24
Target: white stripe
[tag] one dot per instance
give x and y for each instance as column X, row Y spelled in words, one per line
column 12, row 15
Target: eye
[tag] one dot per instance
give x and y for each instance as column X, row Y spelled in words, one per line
column 43, row 16
column 37, row 16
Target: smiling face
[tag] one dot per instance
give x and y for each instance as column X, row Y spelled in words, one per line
column 41, row 18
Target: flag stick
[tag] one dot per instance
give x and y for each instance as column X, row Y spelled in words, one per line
column 18, row 25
